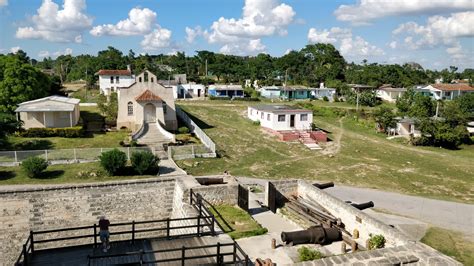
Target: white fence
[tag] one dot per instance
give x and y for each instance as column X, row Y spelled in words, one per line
column 189, row 152
column 194, row 128
column 67, row 156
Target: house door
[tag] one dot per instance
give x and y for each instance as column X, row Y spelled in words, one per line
column 199, row 92
column 150, row 112
column 292, row 120
column 290, row 95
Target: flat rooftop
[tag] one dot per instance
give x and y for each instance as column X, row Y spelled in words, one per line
column 280, row 109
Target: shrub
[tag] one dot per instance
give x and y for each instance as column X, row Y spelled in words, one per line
column 113, row 161
column 376, row 241
column 326, row 99
column 133, row 143
column 144, row 162
column 211, row 97
column 246, row 99
column 67, row 132
column 257, row 123
column 34, row 166
column 183, row 130
column 307, row 254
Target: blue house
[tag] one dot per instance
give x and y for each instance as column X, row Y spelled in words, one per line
column 270, row 92
column 230, row 91
column 295, row 93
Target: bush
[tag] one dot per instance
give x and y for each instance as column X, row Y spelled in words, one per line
column 307, row 254
column 144, row 162
column 246, row 99
column 376, row 241
column 113, row 161
column 183, row 130
column 257, row 123
column 211, row 97
column 34, row 166
column 67, row 132
column 326, row 99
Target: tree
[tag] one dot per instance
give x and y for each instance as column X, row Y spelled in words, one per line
column 385, row 118
column 20, row 82
column 466, row 104
column 108, row 108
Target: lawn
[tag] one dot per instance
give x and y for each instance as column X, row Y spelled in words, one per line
column 238, row 223
column 450, row 243
column 63, row 173
column 356, row 155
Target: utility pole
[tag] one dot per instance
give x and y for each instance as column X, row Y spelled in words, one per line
column 357, row 100
column 206, row 68
column 87, row 85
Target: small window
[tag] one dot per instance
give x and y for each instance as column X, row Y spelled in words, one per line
column 281, row 118
column 145, row 76
column 117, row 80
column 268, row 117
column 304, row 117
column 261, row 116
column 447, row 93
column 165, row 107
column 130, row 108
column 140, row 79
column 152, row 79
column 112, row 80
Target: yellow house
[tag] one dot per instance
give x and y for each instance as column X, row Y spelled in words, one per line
column 52, row 112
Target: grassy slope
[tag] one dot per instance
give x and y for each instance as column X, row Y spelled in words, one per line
column 240, row 222
column 365, row 158
column 57, row 174
column 450, row 243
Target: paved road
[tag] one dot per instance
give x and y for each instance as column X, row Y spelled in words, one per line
column 446, row 214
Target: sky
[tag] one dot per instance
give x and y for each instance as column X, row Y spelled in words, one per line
column 433, row 33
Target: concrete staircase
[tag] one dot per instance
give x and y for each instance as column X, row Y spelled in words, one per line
column 152, row 136
column 306, row 139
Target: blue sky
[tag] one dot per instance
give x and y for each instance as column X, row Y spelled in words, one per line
column 436, row 33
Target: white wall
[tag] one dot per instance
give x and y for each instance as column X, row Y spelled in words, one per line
column 270, row 119
column 191, row 89
column 106, row 87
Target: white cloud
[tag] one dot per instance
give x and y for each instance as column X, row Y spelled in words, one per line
column 158, row 39
column 3, row 3
column 139, row 22
column 365, row 11
column 191, row 34
column 393, row 44
column 15, row 49
column 244, row 48
column 260, row 18
column 439, row 31
column 348, row 44
column 67, row 51
column 43, row 54
column 55, row 25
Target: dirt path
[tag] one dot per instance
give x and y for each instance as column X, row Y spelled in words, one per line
column 332, row 148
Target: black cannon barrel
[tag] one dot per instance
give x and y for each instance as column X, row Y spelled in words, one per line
column 205, row 181
column 363, row 206
column 324, row 185
column 313, row 235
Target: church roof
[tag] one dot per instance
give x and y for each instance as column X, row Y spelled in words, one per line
column 147, row 96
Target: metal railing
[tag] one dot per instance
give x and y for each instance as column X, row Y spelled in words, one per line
column 190, row 152
column 65, row 156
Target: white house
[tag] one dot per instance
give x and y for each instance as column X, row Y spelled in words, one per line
column 281, row 117
column 405, row 127
column 110, row 80
column 270, row 92
column 444, row 91
column 322, row 91
column 49, row 112
column 470, row 128
column 389, row 93
column 188, row 91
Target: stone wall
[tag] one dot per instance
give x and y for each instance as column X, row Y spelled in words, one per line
column 352, row 217
column 285, row 188
column 53, row 207
column 218, row 194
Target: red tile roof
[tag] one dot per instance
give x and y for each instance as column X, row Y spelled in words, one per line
column 147, row 96
column 453, row 87
column 117, row 72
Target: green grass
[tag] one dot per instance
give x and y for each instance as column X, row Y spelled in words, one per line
column 59, row 174
column 93, row 140
column 89, row 96
column 450, row 243
column 241, row 224
column 365, row 158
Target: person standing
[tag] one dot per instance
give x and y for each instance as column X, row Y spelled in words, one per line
column 104, row 233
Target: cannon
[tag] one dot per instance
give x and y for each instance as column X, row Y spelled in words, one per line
column 363, row 206
column 324, row 185
column 205, row 181
column 312, row 235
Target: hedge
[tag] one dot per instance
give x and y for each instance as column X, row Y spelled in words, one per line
column 67, row 132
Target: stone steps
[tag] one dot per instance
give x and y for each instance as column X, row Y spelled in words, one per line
column 152, row 136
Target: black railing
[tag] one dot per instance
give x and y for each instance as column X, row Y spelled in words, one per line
column 238, row 255
column 199, row 203
column 201, row 221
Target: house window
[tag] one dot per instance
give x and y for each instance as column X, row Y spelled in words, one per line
column 117, row 80
column 140, row 79
column 145, row 76
column 447, row 93
column 130, row 108
column 304, row 117
column 262, row 115
column 112, row 80
column 152, row 80
column 281, row 118
column 164, row 107
column 268, row 117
